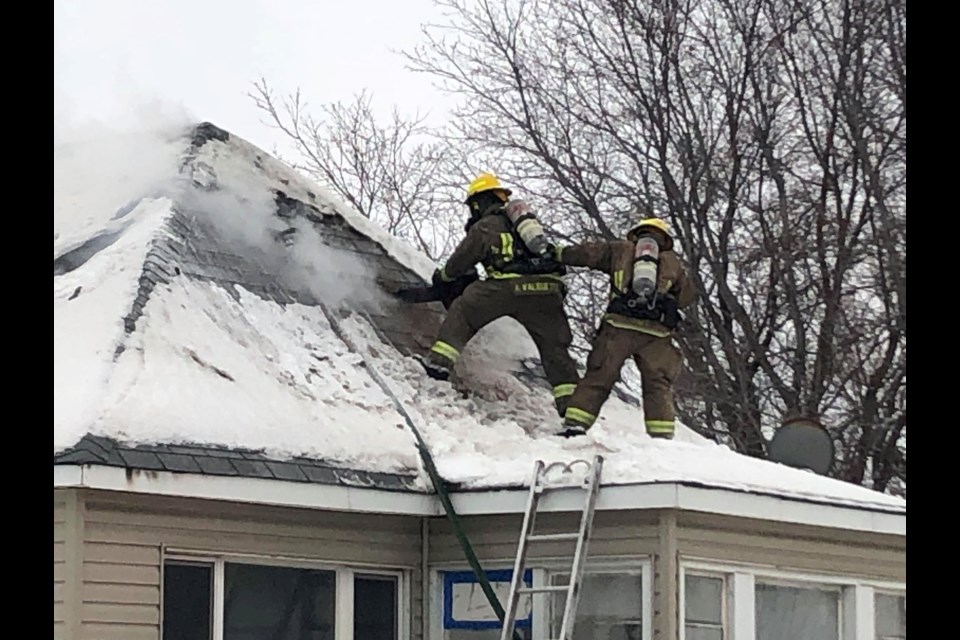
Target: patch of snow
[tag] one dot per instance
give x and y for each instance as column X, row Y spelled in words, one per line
column 204, row 367
column 89, row 305
column 492, row 437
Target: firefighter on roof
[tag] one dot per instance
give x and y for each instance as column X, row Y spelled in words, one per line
column 523, row 282
column 648, row 287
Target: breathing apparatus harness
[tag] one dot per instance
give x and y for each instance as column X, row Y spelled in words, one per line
column 642, row 301
column 533, row 254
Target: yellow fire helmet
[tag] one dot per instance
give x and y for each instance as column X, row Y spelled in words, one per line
column 652, row 223
column 485, row 182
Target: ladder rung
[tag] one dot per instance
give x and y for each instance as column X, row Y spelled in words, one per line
column 549, row 589
column 550, row 537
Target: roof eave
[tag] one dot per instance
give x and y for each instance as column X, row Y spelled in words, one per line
column 666, row 495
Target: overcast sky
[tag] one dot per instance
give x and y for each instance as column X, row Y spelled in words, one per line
column 115, row 60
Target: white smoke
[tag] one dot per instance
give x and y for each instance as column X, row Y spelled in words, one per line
column 100, row 167
column 243, row 210
column 337, row 277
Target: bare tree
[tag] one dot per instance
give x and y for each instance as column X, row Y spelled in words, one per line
column 772, row 135
column 397, row 173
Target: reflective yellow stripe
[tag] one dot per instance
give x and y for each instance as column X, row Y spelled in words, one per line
column 659, row 426
column 635, row 325
column 444, row 276
column 559, row 256
column 506, row 248
column 498, row 275
column 445, row 350
column 618, row 280
column 579, row 415
column 563, row 390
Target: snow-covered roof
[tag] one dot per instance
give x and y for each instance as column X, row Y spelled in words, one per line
column 206, row 293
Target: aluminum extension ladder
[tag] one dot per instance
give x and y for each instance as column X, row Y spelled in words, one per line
column 538, row 485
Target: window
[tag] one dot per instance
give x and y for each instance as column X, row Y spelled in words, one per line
column 703, row 598
column 611, row 607
column 237, row 599
column 890, row 616
column 615, row 600
column 467, row 614
column 187, row 601
column 375, row 605
column 797, row 613
column 737, row 601
column 282, row 603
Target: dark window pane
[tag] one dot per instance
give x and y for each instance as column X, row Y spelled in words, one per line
column 374, row 607
column 278, row 603
column 790, row 613
column 187, row 601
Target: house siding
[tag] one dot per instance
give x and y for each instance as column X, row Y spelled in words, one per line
column 494, row 538
column 794, row 547
column 125, row 538
column 109, row 548
column 670, row 537
column 67, row 560
column 59, row 563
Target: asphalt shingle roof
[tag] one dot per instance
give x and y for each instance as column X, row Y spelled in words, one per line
column 222, row 461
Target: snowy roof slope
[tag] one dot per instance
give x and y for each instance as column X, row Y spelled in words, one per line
column 186, row 309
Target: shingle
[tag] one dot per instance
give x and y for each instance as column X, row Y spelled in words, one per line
column 104, row 443
column 215, row 466
column 212, row 452
column 76, row 457
column 251, row 468
column 104, row 450
column 179, row 462
column 251, row 455
column 152, row 448
column 286, row 471
column 186, row 450
column 320, row 475
column 354, row 478
column 113, row 458
column 392, row 481
column 137, row 459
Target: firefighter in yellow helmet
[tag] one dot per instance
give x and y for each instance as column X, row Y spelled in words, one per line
column 523, row 282
column 648, row 287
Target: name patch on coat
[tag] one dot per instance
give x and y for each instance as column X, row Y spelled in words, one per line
column 534, row 288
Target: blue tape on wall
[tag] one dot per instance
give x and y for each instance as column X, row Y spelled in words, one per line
column 450, row 578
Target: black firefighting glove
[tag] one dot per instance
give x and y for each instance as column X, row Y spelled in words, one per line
column 670, row 312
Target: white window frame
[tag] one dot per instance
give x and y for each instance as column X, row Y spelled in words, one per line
column 725, row 595
column 881, row 590
column 856, row 616
column 541, row 568
column 344, row 583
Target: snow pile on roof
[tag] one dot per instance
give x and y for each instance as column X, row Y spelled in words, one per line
column 207, row 365
column 493, row 437
column 89, row 306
